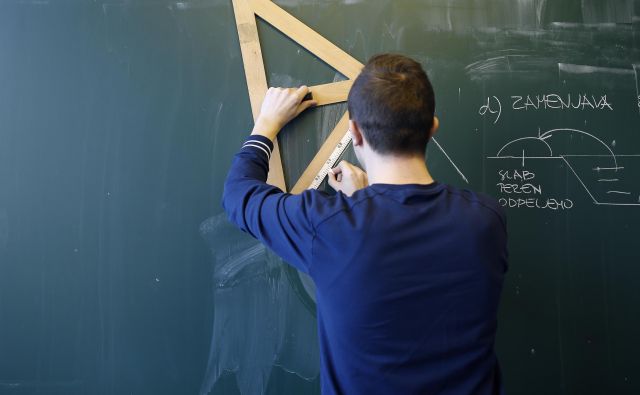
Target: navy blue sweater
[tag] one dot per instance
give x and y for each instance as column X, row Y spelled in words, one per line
column 408, row 277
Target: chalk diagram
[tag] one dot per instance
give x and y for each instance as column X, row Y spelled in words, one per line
column 608, row 178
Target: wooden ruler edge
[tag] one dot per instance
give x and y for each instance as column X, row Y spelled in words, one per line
column 256, row 78
column 322, row 155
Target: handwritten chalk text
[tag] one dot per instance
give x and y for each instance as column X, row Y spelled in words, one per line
column 492, row 106
column 521, row 182
column 551, row 204
column 557, row 102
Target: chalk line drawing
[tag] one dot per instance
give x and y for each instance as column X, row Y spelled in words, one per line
column 548, row 134
column 541, row 147
column 260, row 323
column 450, row 161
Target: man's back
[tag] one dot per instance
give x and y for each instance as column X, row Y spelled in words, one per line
column 408, row 279
column 408, row 271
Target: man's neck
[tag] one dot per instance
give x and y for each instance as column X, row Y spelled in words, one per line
column 399, row 170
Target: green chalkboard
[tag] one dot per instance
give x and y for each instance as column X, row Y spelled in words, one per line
column 119, row 273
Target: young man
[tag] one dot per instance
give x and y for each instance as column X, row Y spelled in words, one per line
column 408, row 270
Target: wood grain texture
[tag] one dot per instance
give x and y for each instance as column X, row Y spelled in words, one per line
column 256, row 78
column 251, row 54
column 335, row 92
column 307, row 37
column 325, row 151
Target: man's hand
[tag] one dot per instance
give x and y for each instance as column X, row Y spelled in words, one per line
column 280, row 106
column 347, row 178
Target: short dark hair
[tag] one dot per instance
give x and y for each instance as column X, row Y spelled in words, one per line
column 392, row 101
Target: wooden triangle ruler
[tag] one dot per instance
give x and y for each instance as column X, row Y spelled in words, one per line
column 245, row 14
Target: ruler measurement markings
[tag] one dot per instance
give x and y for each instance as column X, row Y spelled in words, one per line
column 333, row 159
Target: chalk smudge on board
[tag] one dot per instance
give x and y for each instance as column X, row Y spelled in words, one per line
column 325, row 3
column 598, row 11
column 259, row 322
column 509, row 61
column 587, row 69
column 448, row 15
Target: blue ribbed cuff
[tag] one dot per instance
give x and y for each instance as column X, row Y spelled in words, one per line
column 258, row 143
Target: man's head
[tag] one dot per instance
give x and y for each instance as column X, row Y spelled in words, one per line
column 391, row 104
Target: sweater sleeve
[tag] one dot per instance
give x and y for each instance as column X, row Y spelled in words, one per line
column 280, row 220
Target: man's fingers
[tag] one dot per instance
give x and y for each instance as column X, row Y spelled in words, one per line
column 345, row 167
column 332, row 179
column 281, row 105
column 306, row 104
column 301, row 92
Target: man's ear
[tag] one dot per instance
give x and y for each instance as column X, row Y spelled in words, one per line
column 356, row 133
column 434, row 128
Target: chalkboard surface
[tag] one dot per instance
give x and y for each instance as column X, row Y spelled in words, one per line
column 118, row 119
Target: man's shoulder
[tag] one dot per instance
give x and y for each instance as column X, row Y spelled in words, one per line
column 482, row 202
column 326, row 206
